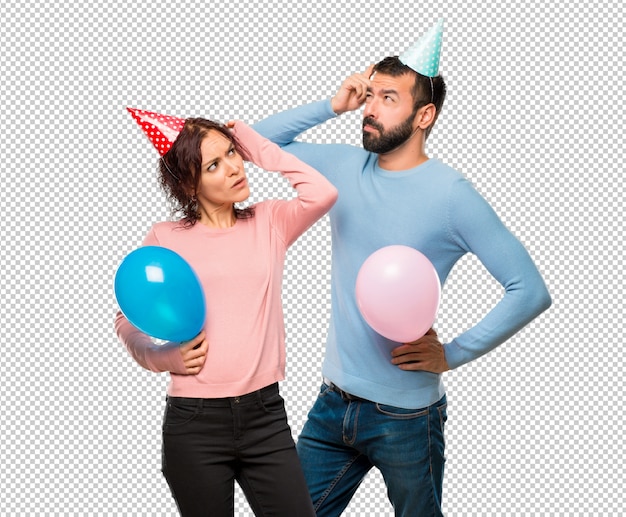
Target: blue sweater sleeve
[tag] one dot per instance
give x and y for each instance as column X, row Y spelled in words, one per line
column 283, row 128
column 476, row 228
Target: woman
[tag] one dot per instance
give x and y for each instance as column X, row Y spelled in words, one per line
column 225, row 419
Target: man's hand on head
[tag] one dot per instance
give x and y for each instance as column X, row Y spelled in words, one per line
column 353, row 92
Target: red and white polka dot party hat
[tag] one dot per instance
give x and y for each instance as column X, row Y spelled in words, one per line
column 162, row 130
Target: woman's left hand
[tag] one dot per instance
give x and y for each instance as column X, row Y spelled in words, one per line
column 194, row 352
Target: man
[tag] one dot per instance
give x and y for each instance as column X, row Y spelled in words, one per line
column 383, row 404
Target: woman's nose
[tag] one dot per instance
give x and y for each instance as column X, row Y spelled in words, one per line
column 233, row 167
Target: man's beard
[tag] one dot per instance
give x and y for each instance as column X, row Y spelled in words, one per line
column 386, row 141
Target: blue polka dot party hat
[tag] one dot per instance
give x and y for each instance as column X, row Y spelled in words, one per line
column 423, row 55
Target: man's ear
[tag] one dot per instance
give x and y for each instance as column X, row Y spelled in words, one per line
column 426, row 115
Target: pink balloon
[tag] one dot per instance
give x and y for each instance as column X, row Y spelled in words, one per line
column 398, row 292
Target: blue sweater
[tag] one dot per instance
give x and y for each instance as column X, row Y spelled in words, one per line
column 431, row 208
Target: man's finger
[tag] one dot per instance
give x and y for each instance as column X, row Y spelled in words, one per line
column 404, row 349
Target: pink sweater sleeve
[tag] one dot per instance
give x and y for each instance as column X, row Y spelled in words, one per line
column 316, row 195
column 153, row 357
column 141, row 347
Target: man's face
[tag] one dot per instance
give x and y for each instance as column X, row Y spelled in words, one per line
column 388, row 116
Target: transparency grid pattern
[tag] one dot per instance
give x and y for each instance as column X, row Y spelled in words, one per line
column 533, row 118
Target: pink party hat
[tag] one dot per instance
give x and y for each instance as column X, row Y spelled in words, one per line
column 162, row 130
column 423, row 56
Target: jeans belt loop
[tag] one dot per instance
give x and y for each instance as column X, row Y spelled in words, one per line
column 344, row 394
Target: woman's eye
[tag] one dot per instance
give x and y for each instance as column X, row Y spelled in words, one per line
column 212, row 167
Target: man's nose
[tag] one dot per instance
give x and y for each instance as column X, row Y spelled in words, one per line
column 370, row 109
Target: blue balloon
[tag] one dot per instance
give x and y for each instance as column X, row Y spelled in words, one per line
column 160, row 294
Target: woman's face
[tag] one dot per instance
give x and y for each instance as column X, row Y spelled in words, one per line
column 223, row 180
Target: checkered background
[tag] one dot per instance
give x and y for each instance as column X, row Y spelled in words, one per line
column 534, row 118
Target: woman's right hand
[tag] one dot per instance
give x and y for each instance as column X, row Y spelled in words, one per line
column 193, row 353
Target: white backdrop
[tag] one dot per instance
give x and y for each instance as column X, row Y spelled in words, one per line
column 534, row 118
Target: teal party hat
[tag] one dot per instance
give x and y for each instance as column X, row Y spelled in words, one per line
column 423, row 55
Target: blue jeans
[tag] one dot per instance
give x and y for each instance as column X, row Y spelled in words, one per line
column 344, row 437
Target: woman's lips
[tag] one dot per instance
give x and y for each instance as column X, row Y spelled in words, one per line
column 239, row 183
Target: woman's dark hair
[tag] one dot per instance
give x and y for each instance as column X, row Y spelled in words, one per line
column 179, row 168
column 422, row 91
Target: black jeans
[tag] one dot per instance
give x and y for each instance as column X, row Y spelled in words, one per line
column 210, row 443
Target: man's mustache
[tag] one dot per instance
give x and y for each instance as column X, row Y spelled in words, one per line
column 369, row 121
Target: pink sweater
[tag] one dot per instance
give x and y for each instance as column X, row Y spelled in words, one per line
column 241, row 271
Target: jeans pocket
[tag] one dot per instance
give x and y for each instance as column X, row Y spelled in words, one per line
column 443, row 418
column 443, row 415
column 273, row 404
column 178, row 415
column 400, row 413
